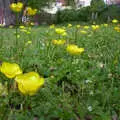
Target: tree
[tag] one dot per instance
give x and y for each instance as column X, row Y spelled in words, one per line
column 7, row 14
column 96, row 6
column 38, row 3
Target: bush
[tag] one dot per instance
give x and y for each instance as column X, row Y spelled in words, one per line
column 82, row 14
column 111, row 12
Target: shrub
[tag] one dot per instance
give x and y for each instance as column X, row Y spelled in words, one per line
column 73, row 15
column 111, row 12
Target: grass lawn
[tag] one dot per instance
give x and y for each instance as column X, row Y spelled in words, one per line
column 77, row 87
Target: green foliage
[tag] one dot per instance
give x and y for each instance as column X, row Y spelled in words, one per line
column 73, row 15
column 38, row 3
column 111, row 12
column 97, row 5
column 76, row 87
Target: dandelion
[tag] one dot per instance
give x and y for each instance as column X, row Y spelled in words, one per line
column 74, row 49
column 16, row 7
column 114, row 21
column 29, row 83
column 58, row 42
column 10, row 70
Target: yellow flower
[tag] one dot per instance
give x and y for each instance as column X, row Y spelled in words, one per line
column 114, row 21
column 52, row 26
column 58, row 42
column 29, row 83
column 32, row 24
column 10, row 70
column 16, row 7
column 60, row 30
column 23, row 30
column 105, row 25
column 28, row 42
column 74, row 49
column 83, row 32
column 22, row 27
column 28, row 32
column 78, row 26
column 95, row 27
column 69, row 25
column 18, row 36
column 64, row 34
column 86, row 27
column 31, row 12
column 117, row 29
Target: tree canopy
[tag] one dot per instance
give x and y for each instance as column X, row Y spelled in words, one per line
column 37, row 3
column 97, row 5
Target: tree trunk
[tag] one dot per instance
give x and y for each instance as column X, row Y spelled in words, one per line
column 8, row 16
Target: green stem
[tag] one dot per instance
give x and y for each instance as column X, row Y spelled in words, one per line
column 16, row 30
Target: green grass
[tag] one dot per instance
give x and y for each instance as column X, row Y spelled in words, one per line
column 75, row 86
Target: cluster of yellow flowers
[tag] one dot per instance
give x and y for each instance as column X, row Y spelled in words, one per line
column 117, row 29
column 58, row 42
column 71, row 48
column 95, row 27
column 16, row 7
column 61, row 31
column 28, row 83
column 31, row 12
column 26, row 30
